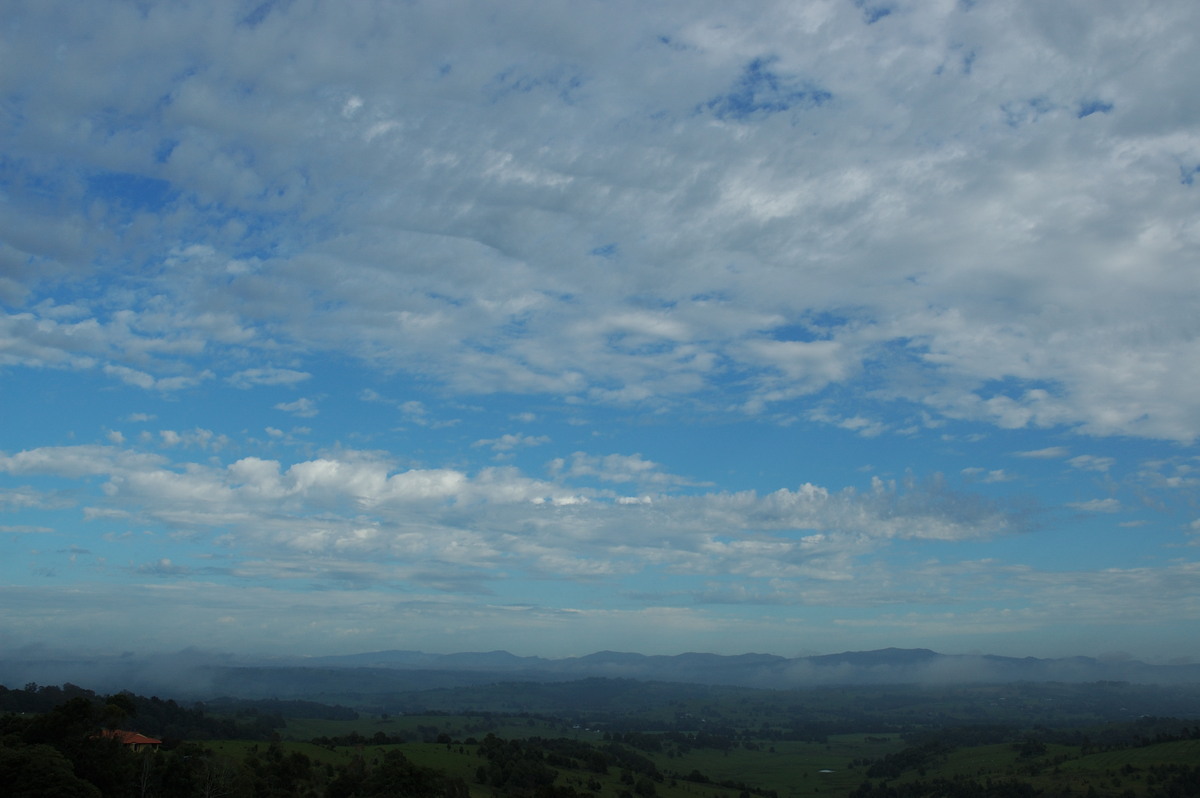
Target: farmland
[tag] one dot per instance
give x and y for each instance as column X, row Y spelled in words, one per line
column 632, row 739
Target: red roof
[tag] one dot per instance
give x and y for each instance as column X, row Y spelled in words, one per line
column 129, row 738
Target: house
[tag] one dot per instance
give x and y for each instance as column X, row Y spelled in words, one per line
column 132, row 740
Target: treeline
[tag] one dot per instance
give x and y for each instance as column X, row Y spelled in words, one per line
column 1164, row 781
column 949, row 788
column 1089, row 739
column 929, row 750
column 529, row 767
column 40, row 698
column 684, row 735
column 167, row 720
column 919, row 758
column 62, row 753
column 1132, row 734
column 725, row 738
column 61, row 750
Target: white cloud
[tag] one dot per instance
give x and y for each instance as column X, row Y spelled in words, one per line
column 1109, row 505
column 860, row 425
column 196, row 438
column 302, row 407
column 141, row 379
column 356, row 507
column 249, row 378
column 78, row 461
column 1090, row 462
column 989, row 476
column 24, row 529
column 27, row 497
column 1049, row 453
column 615, row 468
column 510, row 441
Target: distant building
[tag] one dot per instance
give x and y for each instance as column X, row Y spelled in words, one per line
column 132, row 740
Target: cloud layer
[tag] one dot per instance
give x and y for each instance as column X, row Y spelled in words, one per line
column 473, row 250
column 983, row 211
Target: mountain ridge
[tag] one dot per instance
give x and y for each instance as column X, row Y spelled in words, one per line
column 879, row 666
column 201, row 673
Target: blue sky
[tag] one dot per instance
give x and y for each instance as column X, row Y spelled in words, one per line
column 790, row 327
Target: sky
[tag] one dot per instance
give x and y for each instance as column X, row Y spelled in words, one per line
column 557, row 327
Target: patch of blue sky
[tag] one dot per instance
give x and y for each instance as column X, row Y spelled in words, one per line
column 727, row 453
column 760, row 91
column 560, row 80
column 249, row 236
column 720, row 590
column 33, row 415
column 1015, row 387
column 637, row 345
column 606, row 251
column 132, row 191
column 260, row 12
column 52, row 543
column 651, row 302
column 873, row 12
column 819, row 326
column 34, row 186
column 190, row 561
column 718, row 296
column 1093, row 106
column 117, row 414
column 258, row 407
column 12, row 112
column 1022, row 112
column 1064, row 541
column 796, row 332
column 514, row 326
column 162, row 153
column 968, row 61
column 34, row 508
column 672, row 42
column 253, row 230
column 11, row 170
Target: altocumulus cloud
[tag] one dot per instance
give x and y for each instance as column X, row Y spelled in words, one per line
column 427, row 279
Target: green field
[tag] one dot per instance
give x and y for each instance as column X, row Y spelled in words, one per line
column 790, row 769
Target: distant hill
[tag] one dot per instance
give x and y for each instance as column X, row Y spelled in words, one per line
column 883, row 666
column 201, row 675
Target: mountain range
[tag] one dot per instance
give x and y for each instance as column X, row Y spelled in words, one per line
column 201, row 674
column 883, row 666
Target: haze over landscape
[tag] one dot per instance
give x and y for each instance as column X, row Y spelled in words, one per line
column 785, row 327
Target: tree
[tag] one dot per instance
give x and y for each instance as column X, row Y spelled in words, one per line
column 41, row 771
